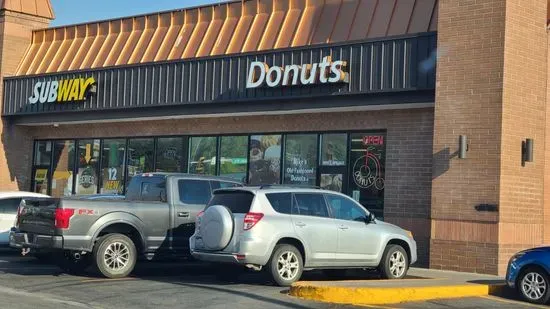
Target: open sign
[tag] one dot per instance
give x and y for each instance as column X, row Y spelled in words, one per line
column 373, row 140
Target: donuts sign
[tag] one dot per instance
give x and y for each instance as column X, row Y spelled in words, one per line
column 327, row 71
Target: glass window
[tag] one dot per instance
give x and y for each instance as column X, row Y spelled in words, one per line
column 345, row 209
column 194, row 191
column 112, row 166
column 88, row 161
column 233, row 158
column 265, row 159
column 334, row 149
column 239, row 202
column 202, row 155
column 63, row 166
column 169, row 154
column 9, row 206
column 281, row 202
column 367, row 170
column 42, row 161
column 42, row 153
column 331, row 182
column 154, row 191
column 140, row 156
column 311, row 204
column 301, row 159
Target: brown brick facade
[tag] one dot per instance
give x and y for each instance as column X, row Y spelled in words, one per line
column 492, row 86
column 15, row 35
column 408, row 160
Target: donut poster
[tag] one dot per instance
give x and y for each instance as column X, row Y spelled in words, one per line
column 265, row 159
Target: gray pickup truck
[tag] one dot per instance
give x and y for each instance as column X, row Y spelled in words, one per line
column 154, row 219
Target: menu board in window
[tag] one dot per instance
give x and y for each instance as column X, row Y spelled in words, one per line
column 265, row 159
column 300, row 159
column 367, row 170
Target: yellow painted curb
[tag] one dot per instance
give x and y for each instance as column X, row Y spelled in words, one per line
column 386, row 296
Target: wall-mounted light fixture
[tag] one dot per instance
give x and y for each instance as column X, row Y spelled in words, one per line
column 526, row 151
column 462, row 146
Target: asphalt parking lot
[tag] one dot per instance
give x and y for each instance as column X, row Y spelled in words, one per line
column 27, row 283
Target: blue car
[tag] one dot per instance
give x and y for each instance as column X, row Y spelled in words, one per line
column 528, row 272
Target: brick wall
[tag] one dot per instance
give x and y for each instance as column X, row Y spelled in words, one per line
column 15, row 38
column 408, row 161
column 525, row 71
column 469, row 102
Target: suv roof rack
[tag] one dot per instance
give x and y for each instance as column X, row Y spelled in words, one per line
column 289, row 186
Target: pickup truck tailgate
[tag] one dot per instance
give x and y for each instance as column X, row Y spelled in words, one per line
column 37, row 215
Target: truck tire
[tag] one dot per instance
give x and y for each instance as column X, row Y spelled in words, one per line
column 115, row 255
column 69, row 264
column 285, row 265
column 394, row 263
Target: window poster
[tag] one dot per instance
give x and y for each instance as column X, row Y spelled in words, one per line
column 265, row 159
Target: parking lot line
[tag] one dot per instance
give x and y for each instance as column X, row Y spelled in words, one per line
column 515, row 302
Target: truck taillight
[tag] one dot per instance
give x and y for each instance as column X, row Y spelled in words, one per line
column 251, row 218
column 62, row 217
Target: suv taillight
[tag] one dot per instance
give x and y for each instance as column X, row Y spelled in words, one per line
column 62, row 217
column 251, row 218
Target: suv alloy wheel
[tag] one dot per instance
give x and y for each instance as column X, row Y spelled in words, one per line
column 533, row 285
column 394, row 263
column 286, row 265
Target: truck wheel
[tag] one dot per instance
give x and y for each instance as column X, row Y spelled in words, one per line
column 115, row 255
column 71, row 265
column 285, row 265
column 394, row 263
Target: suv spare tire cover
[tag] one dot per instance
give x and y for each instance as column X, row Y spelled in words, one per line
column 216, row 227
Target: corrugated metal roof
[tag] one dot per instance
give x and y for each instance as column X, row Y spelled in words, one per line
column 227, row 28
column 41, row 8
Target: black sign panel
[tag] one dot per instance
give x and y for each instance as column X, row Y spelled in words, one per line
column 404, row 64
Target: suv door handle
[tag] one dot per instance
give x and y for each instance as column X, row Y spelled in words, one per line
column 300, row 224
column 183, row 214
column 343, row 227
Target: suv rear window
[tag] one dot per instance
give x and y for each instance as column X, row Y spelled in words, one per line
column 238, row 202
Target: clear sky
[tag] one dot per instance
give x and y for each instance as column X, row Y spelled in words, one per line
column 78, row 11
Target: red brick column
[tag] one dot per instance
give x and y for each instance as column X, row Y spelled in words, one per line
column 491, row 87
column 15, row 146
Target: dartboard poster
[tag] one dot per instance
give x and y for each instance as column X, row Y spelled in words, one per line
column 367, row 170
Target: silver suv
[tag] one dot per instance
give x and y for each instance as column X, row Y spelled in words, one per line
column 289, row 230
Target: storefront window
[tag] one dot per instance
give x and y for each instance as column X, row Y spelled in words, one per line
column 112, row 166
column 233, row 157
column 42, row 161
column 202, row 155
column 88, row 166
column 367, row 170
column 63, row 166
column 300, row 165
column 334, row 149
column 265, row 159
column 140, row 156
column 169, row 154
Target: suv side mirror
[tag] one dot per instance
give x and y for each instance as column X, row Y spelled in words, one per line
column 370, row 218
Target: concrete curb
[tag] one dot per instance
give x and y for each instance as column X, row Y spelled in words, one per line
column 386, row 296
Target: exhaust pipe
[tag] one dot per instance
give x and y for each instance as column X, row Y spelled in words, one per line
column 25, row 251
column 77, row 256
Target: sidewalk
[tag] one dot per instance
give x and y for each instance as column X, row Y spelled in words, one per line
column 420, row 285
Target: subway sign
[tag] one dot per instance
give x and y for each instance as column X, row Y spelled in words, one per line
column 63, row 90
column 327, row 71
